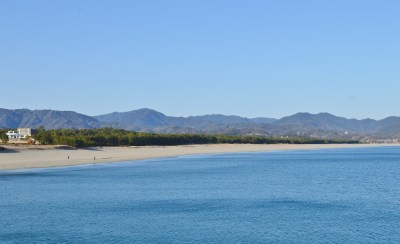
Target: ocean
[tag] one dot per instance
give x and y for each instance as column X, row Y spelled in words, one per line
column 316, row 196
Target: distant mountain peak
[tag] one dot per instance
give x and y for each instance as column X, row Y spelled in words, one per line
column 50, row 119
column 321, row 124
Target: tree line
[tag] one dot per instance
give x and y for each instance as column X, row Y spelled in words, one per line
column 3, row 135
column 119, row 137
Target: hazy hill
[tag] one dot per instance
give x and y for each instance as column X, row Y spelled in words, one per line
column 50, row 119
column 136, row 118
column 232, row 119
column 303, row 124
column 389, row 127
column 329, row 122
column 151, row 120
column 298, row 124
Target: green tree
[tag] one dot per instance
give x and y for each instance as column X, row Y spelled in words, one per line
column 3, row 137
column 44, row 136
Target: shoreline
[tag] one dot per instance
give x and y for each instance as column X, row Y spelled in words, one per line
column 30, row 157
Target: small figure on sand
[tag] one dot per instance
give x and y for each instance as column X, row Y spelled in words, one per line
column 68, row 157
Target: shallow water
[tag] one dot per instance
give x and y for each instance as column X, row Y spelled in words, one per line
column 335, row 196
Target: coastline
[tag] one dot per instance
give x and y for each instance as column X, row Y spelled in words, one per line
column 27, row 157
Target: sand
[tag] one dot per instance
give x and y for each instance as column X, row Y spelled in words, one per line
column 25, row 157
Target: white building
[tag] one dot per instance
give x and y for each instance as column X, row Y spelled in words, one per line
column 21, row 133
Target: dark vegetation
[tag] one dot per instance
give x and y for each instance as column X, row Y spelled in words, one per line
column 120, row 137
column 3, row 136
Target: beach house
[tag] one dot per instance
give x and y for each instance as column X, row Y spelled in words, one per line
column 21, row 133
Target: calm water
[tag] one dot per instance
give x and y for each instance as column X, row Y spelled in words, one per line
column 334, row 196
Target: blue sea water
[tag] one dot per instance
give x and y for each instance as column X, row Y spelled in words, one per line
column 322, row 196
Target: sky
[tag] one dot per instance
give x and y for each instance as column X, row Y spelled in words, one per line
column 248, row 58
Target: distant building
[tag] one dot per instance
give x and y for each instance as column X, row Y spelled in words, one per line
column 21, row 133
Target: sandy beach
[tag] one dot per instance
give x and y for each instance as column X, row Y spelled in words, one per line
column 24, row 157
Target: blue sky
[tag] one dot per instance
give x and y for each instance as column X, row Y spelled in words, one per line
column 248, row 58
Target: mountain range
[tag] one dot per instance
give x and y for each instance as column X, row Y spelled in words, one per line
column 323, row 125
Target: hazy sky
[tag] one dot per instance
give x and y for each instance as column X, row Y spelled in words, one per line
column 248, row 58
